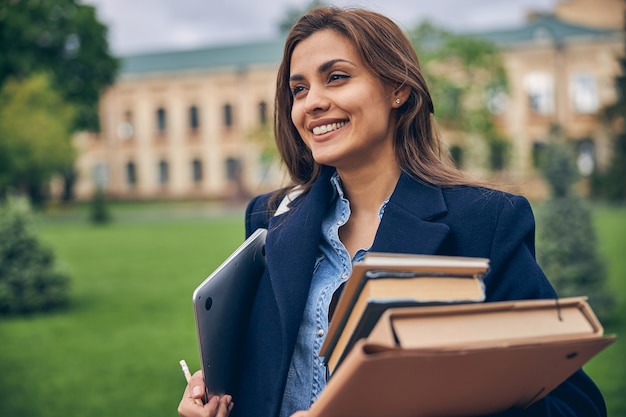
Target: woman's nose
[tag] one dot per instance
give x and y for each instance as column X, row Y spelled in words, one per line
column 316, row 100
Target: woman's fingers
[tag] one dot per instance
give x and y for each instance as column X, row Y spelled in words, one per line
column 225, row 406
column 191, row 404
column 215, row 407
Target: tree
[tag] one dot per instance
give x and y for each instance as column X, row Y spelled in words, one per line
column 30, row 281
column 294, row 13
column 35, row 136
column 466, row 77
column 65, row 39
column 566, row 240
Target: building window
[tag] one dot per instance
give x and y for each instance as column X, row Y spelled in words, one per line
column 586, row 160
column 101, row 175
column 263, row 113
column 131, row 173
column 125, row 129
column 194, row 119
column 233, row 169
column 163, row 172
column 161, row 120
column 583, row 92
column 196, row 170
column 539, row 87
column 228, row 115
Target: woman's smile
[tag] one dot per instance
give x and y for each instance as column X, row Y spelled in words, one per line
column 326, row 128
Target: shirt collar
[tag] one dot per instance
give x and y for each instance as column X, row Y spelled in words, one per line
column 335, row 180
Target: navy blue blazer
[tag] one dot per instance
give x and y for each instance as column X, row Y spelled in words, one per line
column 421, row 219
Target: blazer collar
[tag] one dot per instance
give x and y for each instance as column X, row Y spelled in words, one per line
column 407, row 226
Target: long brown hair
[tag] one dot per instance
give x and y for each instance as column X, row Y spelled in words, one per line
column 388, row 54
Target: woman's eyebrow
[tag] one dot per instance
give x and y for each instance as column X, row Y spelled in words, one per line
column 322, row 68
column 328, row 65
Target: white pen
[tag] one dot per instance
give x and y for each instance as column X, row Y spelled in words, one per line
column 185, row 368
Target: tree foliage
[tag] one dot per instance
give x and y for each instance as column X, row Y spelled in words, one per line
column 466, row 79
column 566, row 240
column 35, row 137
column 29, row 279
column 65, row 39
column 292, row 15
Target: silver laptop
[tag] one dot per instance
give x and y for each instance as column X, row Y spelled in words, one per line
column 222, row 306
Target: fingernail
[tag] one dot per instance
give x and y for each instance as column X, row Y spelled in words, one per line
column 196, row 391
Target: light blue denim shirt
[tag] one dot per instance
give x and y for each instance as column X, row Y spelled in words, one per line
column 307, row 373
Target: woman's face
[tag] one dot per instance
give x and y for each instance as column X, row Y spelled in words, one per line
column 343, row 113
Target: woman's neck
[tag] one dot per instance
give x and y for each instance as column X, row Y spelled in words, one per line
column 369, row 188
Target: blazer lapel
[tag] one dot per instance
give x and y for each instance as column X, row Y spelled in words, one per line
column 291, row 252
column 407, row 226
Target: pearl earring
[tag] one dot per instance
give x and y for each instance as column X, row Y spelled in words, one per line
column 397, row 101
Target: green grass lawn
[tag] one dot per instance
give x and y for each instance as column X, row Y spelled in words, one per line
column 609, row 368
column 115, row 351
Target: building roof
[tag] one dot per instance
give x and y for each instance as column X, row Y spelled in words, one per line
column 234, row 55
column 545, row 27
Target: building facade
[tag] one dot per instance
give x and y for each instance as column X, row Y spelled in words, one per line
column 185, row 124
column 197, row 123
column 561, row 70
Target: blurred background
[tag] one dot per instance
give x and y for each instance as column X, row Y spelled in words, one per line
column 132, row 133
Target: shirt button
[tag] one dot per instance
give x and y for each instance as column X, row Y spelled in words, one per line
column 320, row 332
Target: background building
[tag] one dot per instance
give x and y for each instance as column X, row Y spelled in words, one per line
column 561, row 70
column 185, row 124
column 197, row 123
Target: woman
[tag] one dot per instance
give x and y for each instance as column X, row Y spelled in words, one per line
column 354, row 128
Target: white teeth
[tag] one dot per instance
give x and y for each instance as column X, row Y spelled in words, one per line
column 320, row 130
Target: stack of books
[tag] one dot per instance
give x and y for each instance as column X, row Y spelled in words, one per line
column 383, row 281
column 410, row 336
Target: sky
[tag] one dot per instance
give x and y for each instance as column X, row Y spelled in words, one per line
column 137, row 26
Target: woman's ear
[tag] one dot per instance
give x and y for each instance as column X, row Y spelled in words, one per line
column 400, row 96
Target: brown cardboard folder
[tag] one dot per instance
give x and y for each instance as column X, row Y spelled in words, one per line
column 382, row 378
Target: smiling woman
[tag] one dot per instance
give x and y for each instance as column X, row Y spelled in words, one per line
column 354, row 127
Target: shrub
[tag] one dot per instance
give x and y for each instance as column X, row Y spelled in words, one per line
column 99, row 210
column 29, row 279
column 566, row 241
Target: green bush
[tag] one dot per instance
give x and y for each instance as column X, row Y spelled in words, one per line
column 29, row 280
column 99, row 210
column 566, row 240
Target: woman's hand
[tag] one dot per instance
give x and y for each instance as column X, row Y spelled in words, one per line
column 191, row 403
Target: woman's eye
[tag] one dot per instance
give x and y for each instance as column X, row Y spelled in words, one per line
column 296, row 90
column 337, row 77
